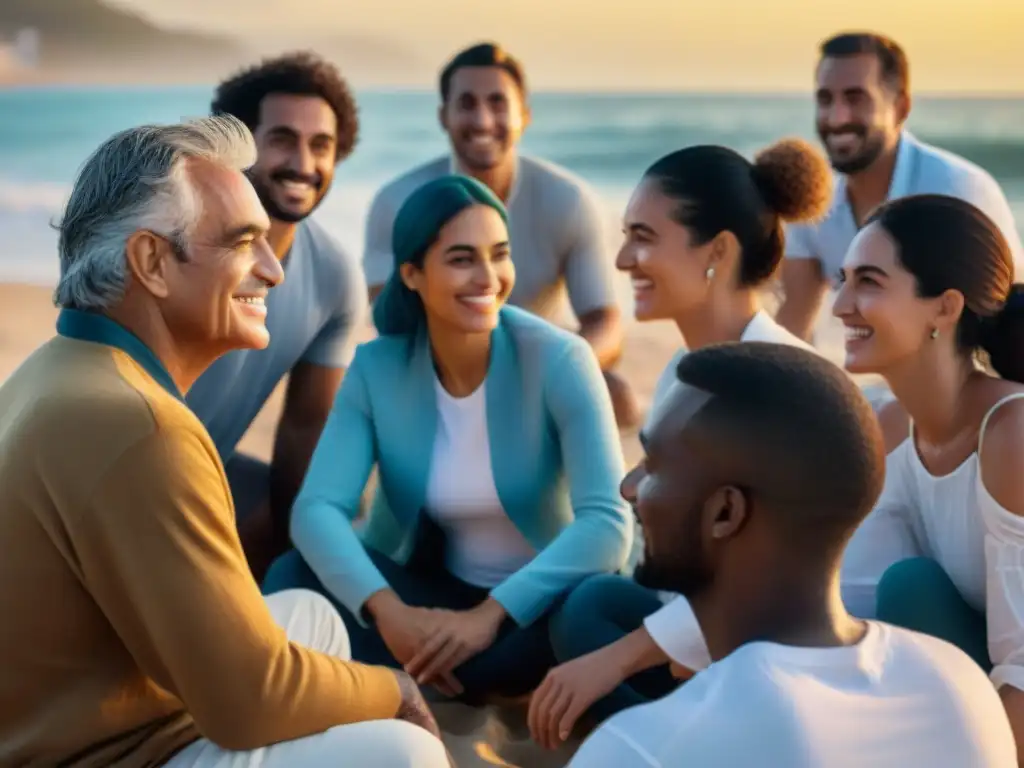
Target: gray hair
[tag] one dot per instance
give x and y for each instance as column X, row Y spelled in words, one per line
column 137, row 179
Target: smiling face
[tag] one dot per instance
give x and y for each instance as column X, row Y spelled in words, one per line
column 214, row 289
column 467, row 274
column 887, row 322
column 668, row 272
column 859, row 115
column 297, row 141
column 484, row 116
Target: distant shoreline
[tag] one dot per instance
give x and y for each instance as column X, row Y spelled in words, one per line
column 57, row 81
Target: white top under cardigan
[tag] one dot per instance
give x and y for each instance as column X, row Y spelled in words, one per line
column 484, row 547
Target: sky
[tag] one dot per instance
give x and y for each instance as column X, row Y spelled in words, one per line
column 738, row 45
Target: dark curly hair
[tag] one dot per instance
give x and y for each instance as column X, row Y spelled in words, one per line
column 301, row 73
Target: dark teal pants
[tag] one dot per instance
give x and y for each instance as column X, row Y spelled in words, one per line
column 917, row 594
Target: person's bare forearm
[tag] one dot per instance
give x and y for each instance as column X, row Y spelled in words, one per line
column 602, row 330
column 1013, row 702
column 635, row 653
column 798, row 315
column 803, row 287
column 293, row 449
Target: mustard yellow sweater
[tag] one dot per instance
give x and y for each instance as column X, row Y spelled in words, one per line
column 129, row 622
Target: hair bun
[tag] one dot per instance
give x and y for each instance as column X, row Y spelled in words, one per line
column 795, row 180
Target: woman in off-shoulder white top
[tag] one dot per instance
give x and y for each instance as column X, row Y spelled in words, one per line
column 926, row 285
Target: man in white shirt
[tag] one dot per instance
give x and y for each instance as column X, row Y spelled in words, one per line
column 609, row 633
column 758, row 468
column 863, row 101
column 559, row 231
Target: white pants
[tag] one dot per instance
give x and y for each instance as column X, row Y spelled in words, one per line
column 310, row 620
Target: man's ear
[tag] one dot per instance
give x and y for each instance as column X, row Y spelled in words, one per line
column 904, row 102
column 147, row 256
column 725, row 512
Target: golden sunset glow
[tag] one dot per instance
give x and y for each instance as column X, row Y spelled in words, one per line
column 954, row 46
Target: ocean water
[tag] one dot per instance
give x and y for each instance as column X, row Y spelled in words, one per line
column 45, row 135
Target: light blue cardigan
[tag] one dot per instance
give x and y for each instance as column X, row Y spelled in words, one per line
column 550, row 420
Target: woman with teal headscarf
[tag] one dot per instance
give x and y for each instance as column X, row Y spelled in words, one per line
column 498, row 457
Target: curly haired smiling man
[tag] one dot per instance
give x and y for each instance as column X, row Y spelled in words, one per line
column 303, row 116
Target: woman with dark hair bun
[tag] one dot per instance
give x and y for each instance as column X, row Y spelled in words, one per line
column 928, row 298
column 703, row 236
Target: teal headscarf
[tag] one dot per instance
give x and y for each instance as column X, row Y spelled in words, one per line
column 398, row 311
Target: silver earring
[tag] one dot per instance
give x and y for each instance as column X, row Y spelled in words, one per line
column 709, row 273
column 935, row 333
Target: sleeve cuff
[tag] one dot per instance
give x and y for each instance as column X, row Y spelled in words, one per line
column 1008, row 674
column 520, row 607
column 675, row 629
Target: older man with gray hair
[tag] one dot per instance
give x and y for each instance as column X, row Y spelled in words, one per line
column 133, row 632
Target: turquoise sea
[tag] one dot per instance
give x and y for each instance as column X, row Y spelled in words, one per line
column 46, row 133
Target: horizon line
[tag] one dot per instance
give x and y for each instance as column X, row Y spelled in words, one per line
column 391, row 89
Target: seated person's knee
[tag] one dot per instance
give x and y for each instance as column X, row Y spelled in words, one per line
column 311, row 620
column 385, row 744
column 907, row 580
column 596, row 592
column 594, row 597
column 289, row 571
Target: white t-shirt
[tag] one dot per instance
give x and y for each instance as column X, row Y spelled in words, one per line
column 897, row 699
column 484, row 547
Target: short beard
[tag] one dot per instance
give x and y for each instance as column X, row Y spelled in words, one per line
column 861, row 162
column 687, row 577
column 274, row 211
